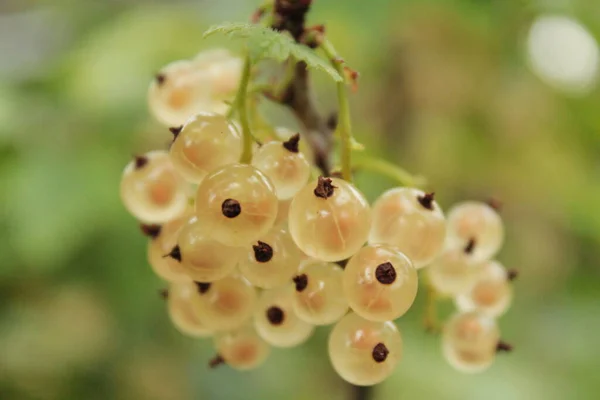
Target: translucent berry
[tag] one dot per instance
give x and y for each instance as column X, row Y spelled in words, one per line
column 179, row 91
column 242, row 349
column 284, row 165
column 206, row 142
column 282, row 213
column 479, row 222
column 202, row 258
column 237, row 204
column 329, row 220
column 364, row 352
column 319, row 297
column 454, row 271
column 226, row 304
column 151, row 189
column 410, row 220
column 271, row 261
column 469, row 341
column 380, row 283
column 275, row 320
column 491, row 292
column 183, row 311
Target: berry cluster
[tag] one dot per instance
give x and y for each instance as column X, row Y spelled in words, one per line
column 258, row 249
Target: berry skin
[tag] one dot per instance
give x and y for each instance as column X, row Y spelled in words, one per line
column 179, row 91
column 236, row 204
column 329, row 219
column 182, row 309
column 453, row 272
column 479, row 222
column 272, row 261
column 224, row 70
column 275, row 320
column 491, row 293
column 284, row 165
column 319, row 297
column 408, row 219
column 151, row 189
column 226, row 304
column 380, row 283
column 206, row 142
column 242, row 349
column 364, row 352
column 469, row 341
column 204, row 259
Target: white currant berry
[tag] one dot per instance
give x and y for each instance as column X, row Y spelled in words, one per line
column 319, row 297
column 179, row 91
column 241, row 349
column 380, row 283
column 329, row 220
column 151, row 189
column 454, row 271
column 206, row 142
column 469, row 341
column 475, row 221
column 410, row 220
column 284, row 165
column 491, row 292
column 202, row 258
column 272, row 261
column 183, row 311
column 275, row 320
column 226, row 304
column 282, row 213
column 236, row 204
column 364, row 352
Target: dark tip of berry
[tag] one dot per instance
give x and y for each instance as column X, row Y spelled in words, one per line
column 385, row 273
column 504, row 347
column 160, row 78
column 164, row 294
column 512, row 274
column 380, row 352
column 324, row 188
column 292, row 143
column 140, row 161
column 275, row 315
column 470, row 246
column 301, row 282
column 216, row 361
column 175, row 131
column 495, row 204
column 202, row 287
column 231, row 208
column 426, row 200
column 262, row 252
column 332, row 121
column 152, row 231
column 174, row 254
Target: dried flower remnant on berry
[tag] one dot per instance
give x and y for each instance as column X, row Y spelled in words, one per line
column 152, row 231
column 380, row 352
column 385, row 273
column 504, row 347
column 175, row 253
column 140, row 161
column 262, row 252
column 176, row 130
column 292, row 143
column 495, row 204
column 231, row 208
column 160, row 78
column 216, row 361
column 203, row 287
column 301, row 282
column 164, row 294
column 275, row 315
column 324, row 188
column 426, row 200
column 470, row 246
column 512, row 274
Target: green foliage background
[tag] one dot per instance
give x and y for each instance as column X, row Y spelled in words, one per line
column 444, row 91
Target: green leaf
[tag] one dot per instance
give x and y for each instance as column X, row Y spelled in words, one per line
column 266, row 43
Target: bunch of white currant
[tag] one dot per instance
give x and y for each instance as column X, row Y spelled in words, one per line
column 251, row 250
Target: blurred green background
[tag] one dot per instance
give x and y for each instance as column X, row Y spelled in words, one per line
column 448, row 89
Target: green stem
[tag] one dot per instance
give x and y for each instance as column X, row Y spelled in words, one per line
column 240, row 105
column 392, row 171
